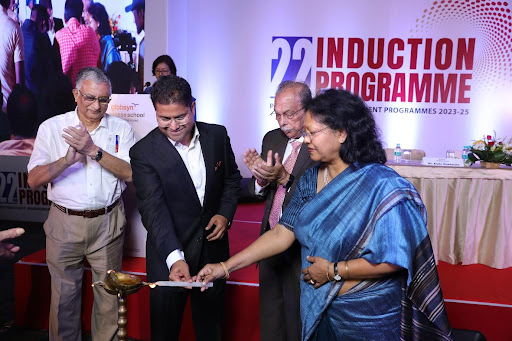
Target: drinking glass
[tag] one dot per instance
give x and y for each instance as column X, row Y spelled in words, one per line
column 406, row 155
column 450, row 154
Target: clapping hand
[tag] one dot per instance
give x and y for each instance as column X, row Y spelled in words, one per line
column 253, row 159
column 80, row 139
column 72, row 156
column 264, row 171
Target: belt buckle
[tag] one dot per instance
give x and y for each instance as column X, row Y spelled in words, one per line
column 89, row 214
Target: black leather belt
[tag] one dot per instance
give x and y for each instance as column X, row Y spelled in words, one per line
column 87, row 213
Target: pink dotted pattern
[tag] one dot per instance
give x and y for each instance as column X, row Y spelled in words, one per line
column 492, row 22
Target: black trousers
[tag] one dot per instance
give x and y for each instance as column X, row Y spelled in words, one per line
column 167, row 306
column 280, row 296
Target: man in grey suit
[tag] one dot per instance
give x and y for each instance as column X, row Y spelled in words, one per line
column 276, row 181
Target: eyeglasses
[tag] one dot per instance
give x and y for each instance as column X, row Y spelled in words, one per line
column 288, row 116
column 163, row 71
column 88, row 100
column 310, row 135
column 180, row 120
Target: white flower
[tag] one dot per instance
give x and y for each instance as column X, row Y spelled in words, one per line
column 479, row 145
column 507, row 149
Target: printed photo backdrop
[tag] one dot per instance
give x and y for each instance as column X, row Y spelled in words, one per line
column 128, row 41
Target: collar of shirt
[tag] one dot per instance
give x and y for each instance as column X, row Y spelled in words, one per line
column 73, row 24
column 195, row 137
column 103, row 122
column 300, row 139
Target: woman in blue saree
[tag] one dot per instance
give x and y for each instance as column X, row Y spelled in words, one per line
column 368, row 267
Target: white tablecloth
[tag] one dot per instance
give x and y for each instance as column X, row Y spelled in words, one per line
column 469, row 211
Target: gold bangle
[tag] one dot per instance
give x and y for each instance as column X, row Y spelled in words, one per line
column 226, row 272
column 347, row 274
column 327, row 272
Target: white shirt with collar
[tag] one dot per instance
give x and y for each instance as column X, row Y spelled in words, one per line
column 85, row 184
column 192, row 156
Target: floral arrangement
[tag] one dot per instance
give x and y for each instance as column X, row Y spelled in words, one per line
column 114, row 23
column 490, row 149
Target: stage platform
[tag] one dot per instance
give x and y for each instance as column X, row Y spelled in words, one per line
column 477, row 297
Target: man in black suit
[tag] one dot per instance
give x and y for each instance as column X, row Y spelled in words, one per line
column 54, row 25
column 276, row 181
column 187, row 185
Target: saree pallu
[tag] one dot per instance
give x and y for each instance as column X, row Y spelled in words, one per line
column 368, row 211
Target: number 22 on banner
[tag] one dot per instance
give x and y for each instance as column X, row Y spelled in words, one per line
column 294, row 57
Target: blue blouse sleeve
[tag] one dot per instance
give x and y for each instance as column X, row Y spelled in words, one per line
column 305, row 190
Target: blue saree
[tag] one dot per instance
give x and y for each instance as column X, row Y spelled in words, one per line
column 368, row 211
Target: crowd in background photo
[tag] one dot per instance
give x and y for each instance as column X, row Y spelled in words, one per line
column 41, row 55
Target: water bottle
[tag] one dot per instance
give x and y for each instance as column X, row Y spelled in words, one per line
column 465, row 153
column 398, row 153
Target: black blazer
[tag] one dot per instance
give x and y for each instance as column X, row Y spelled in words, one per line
column 276, row 141
column 168, row 203
column 58, row 24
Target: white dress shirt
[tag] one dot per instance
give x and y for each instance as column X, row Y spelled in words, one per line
column 84, row 185
column 192, row 157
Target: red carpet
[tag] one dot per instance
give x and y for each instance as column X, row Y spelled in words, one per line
column 477, row 297
column 242, row 302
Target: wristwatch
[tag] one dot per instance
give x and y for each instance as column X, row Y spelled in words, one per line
column 337, row 276
column 289, row 183
column 99, row 155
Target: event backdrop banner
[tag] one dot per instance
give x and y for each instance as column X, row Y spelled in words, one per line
column 17, row 200
column 436, row 74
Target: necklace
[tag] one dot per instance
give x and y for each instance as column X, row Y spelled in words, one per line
column 326, row 177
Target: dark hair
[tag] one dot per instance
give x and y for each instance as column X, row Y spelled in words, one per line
column 73, row 9
column 344, row 111
column 99, row 14
column 46, row 3
column 301, row 87
column 5, row 3
column 57, row 98
column 171, row 89
column 41, row 13
column 22, row 112
column 122, row 77
column 167, row 60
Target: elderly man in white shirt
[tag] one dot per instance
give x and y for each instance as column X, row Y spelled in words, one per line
column 83, row 156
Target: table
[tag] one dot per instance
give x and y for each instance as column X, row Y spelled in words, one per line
column 469, row 211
